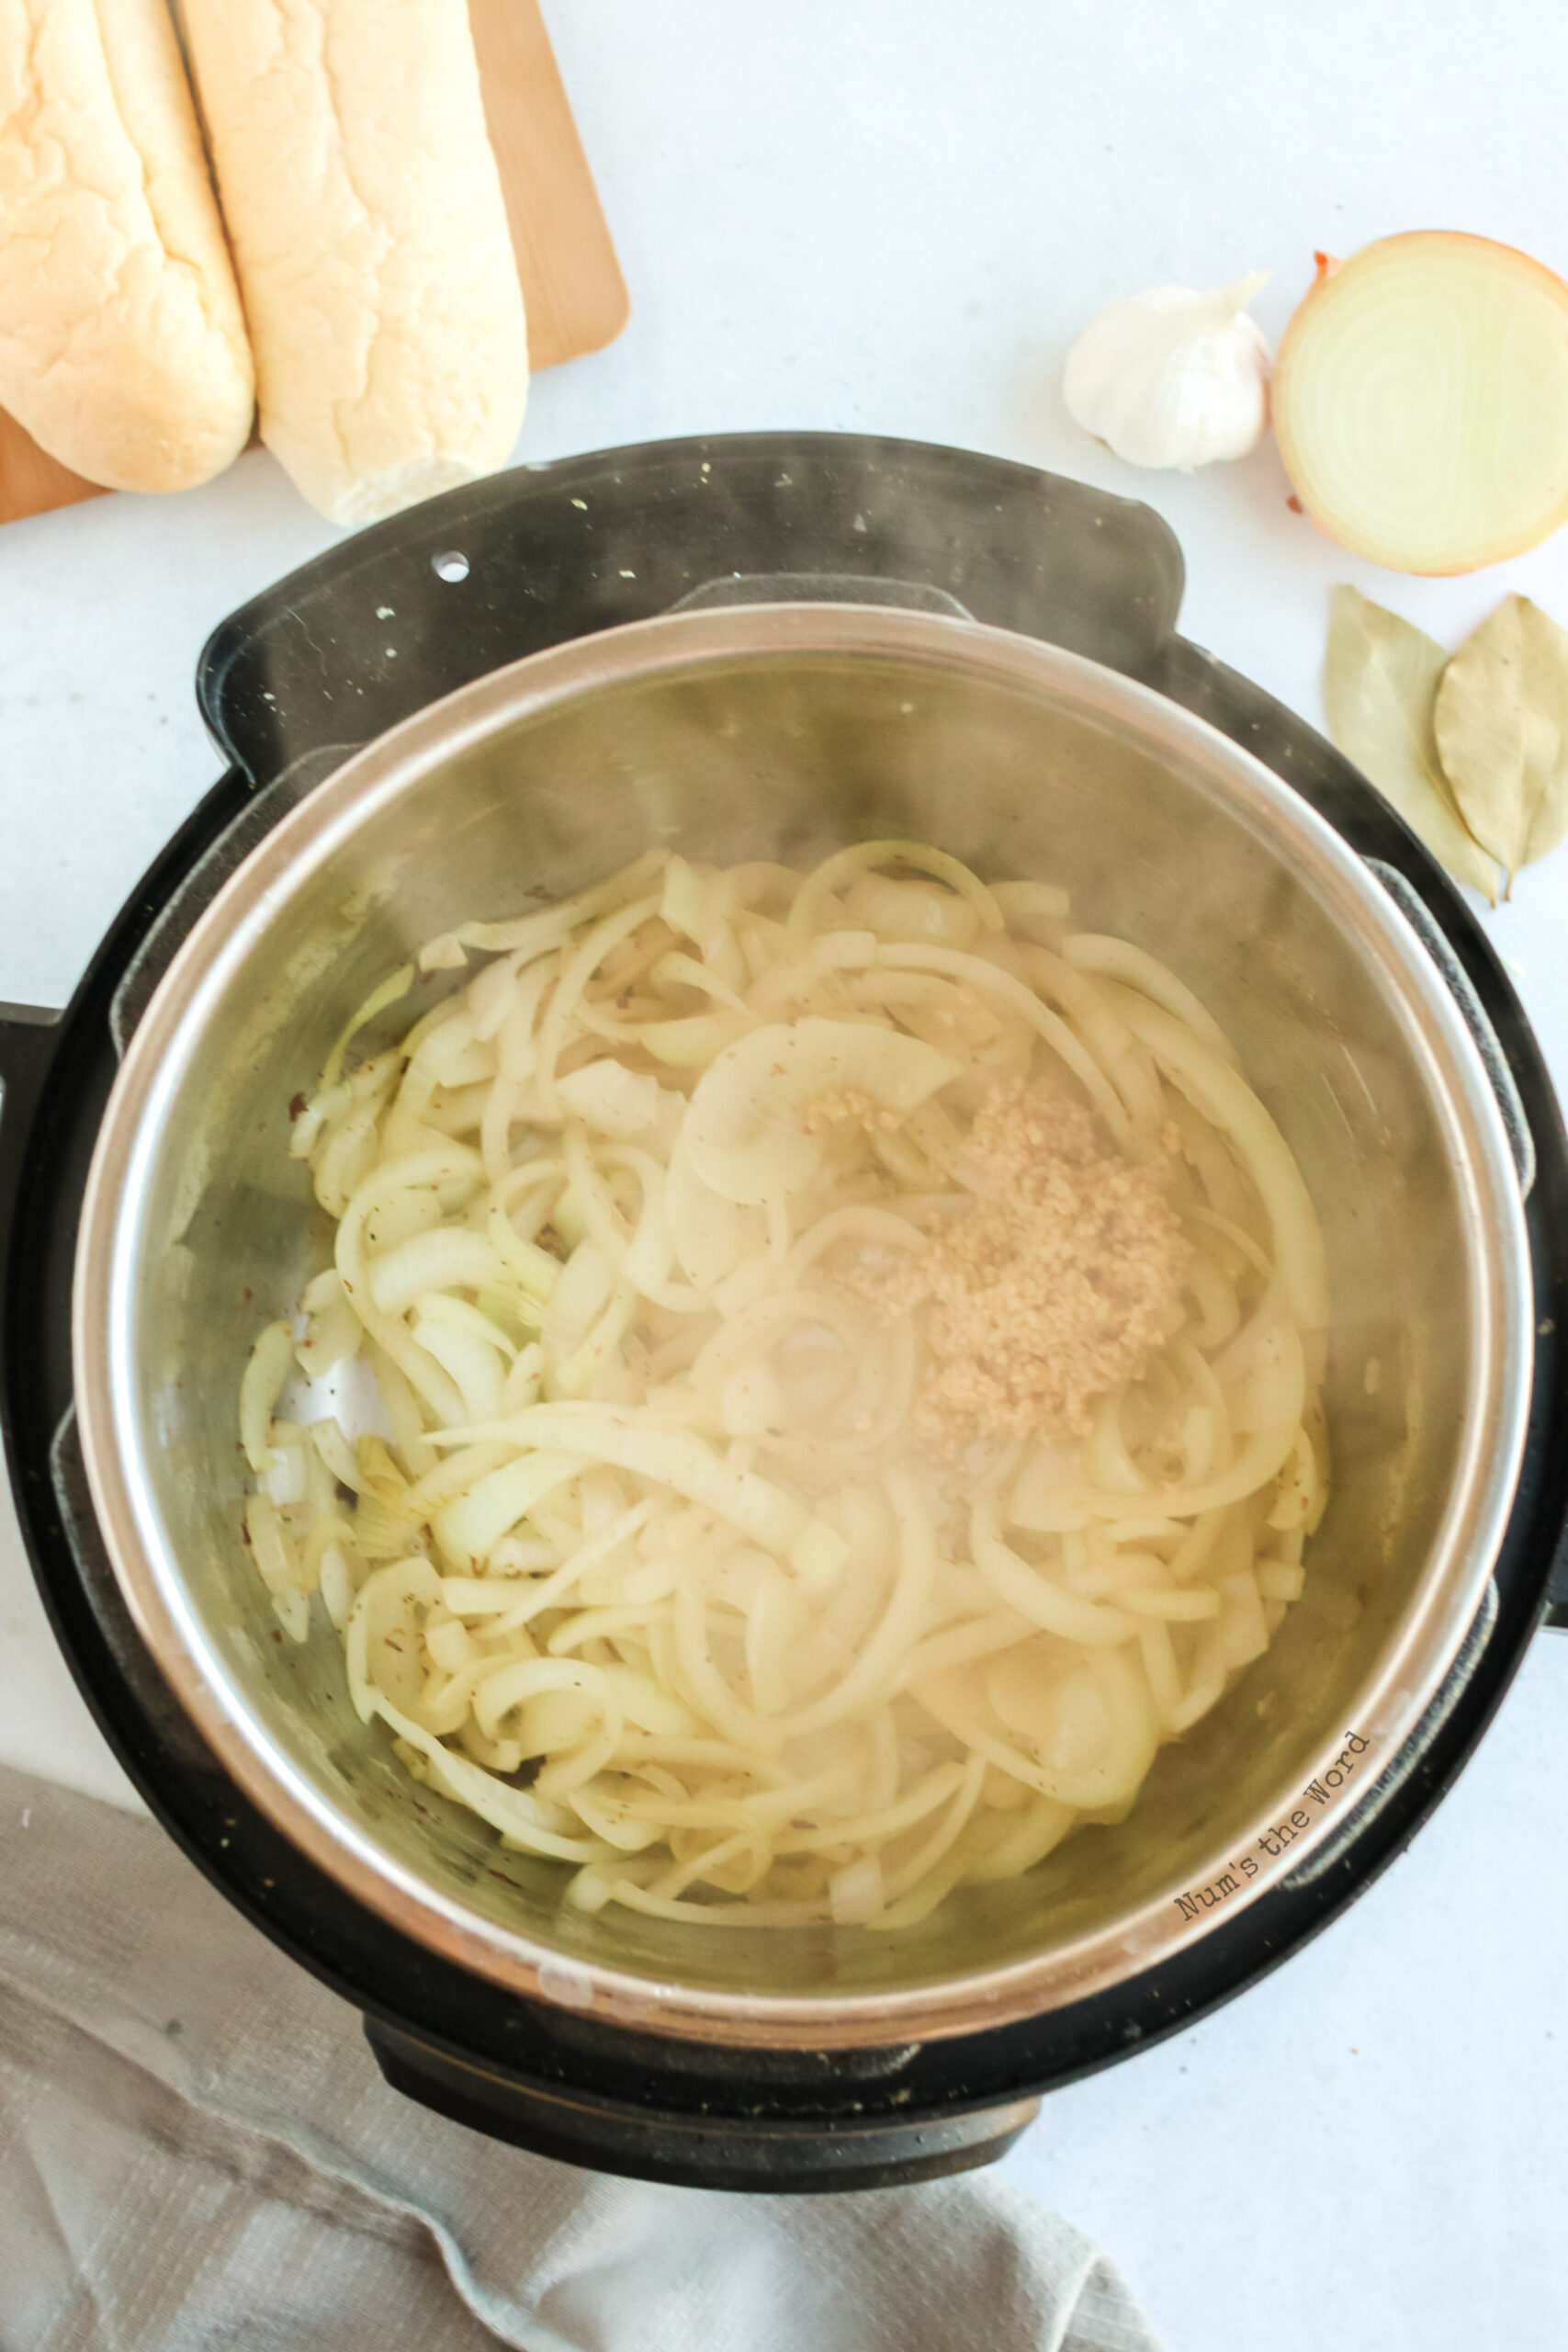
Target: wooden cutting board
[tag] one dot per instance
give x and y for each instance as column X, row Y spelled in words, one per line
column 572, row 287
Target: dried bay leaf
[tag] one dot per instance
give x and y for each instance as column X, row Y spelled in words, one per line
column 1501, row 720
column 1380, row 687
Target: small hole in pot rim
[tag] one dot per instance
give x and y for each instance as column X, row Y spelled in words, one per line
column 451, row 564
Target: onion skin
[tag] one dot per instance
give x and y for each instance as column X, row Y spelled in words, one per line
column 1312, row 353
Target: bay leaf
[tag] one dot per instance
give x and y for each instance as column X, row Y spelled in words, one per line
column 1501, row 720
column 1379, row 689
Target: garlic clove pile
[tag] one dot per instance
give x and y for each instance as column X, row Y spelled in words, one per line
column 1173, row 377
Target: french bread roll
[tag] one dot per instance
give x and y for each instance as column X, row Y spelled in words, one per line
column 122, row 346
column 369, row 232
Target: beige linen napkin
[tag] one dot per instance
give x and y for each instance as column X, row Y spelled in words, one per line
column 196, row 2151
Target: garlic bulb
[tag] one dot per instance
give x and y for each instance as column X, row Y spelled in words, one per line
column 1171, row 378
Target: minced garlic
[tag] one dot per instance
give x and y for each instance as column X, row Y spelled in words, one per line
column 1054, row 1296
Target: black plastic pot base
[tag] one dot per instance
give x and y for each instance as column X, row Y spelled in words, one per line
column 636, row 2137
column 291, row 684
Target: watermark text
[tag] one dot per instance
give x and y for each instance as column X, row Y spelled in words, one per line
column 1279, row 1834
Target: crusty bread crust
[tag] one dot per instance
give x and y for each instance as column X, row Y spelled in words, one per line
column 122, row 344
column 369, row 232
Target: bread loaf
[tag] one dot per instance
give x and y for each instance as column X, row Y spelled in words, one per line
column 122, row 346
column 369, row 232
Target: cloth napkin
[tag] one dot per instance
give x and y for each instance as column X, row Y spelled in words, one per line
column 196, row 2151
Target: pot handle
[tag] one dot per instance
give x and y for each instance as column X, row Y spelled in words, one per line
column 641, row 2139
column 820, row 588
column 27, row 1039
column 1556, row 1611
column 1434, row 939
column 25, row 1043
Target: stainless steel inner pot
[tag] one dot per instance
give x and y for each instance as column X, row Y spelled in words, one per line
column 785, row 730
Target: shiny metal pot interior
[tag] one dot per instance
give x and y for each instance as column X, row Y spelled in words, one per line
column 785, row 730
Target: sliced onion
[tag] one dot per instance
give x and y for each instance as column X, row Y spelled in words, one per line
column 611, row 1099
column 270, row 1362
column 750, row 1135
column 711, row 1235
column 443, row 1258
column 1420, row 401
column 469, row 1530
column 855, row 1892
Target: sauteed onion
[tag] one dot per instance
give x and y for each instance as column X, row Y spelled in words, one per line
column 842, row 1357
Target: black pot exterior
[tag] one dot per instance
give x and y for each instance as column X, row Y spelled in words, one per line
column 290, row 687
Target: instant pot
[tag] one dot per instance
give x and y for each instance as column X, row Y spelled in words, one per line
column 813, row 638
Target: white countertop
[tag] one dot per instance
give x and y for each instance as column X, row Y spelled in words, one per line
column 893, row 217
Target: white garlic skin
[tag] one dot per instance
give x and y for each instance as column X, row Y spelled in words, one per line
column 1173, row 377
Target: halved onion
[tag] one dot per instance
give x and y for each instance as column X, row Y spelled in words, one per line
column 1420, row 401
